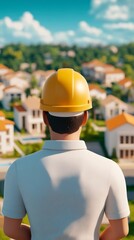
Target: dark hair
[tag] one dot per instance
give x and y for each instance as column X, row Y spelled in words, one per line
column 65, row 124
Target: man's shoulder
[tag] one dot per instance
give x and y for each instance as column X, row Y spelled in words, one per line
column 28, row 158
column 100, row 160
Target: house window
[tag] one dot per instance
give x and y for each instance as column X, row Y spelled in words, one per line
column 7, row 131
column 132, row 153
column 38, row 113
column 121, row 153
column 8, row 140
column 121, row 139
column 33, row 113
column 127, row 139
column 132, row 139
column 111, row 112
column 34, row 126
column 19, row 96
column 127, row 153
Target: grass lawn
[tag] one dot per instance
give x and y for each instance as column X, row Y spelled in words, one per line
column 100, row 123
column 8, row 114
column 30, row 148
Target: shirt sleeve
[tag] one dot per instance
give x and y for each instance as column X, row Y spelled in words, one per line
column 13, row 205
column 116, row 206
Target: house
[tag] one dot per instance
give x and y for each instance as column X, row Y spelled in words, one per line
column 41, row 76
column 1, row 90
column 131, row 95
column 104, row 73
column 11, row 94
column 125, row 84
column 6, row 134
column 96, row 91
column 112, row 106
column 94, row 69
column 28, row 116
column 4, row 70
column 112, row 76
column 119, row 136
column 20, row 79
column 24, row 75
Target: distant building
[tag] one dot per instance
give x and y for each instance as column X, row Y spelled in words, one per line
column 112, row 106
column 11, row 94
column 1, row 90
column 96, row 91
column 20, row 79
column 28, row 116
column 41, row 76
column 104, row 73
column 6, row 134
column 112, row 76
column 131, row 94
column 4, row 70
column 125, row 84
column 119, row 136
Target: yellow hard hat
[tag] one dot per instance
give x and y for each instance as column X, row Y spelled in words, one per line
column 65, row 91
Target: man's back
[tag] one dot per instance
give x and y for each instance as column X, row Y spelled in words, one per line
column 65, row 190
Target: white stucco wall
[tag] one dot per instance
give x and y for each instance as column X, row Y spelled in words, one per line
column 97, row 94
column 19, row 82
column 112, row 109
column 113, row 77
column 112, row 138
column 38, row 120
column 7, row 140
column 8, row 96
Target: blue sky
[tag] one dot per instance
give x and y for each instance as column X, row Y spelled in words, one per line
column 78, row 22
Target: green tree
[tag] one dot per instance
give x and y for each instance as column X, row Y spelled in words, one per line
column 116, row 91
column 95, row 105
column 34, row 82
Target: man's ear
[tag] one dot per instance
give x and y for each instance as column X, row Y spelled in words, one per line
column 45, row 118
column 85, row 118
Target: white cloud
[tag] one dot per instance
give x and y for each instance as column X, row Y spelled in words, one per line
column 26, row 29
column 85, row 27
column 98, row 3
column 125, row 26
column 83, row 41
column 63, row 37
column 115, row 12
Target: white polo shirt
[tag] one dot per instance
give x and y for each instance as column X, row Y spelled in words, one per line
column 65, row 189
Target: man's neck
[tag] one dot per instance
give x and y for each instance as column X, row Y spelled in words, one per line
column 57, row 136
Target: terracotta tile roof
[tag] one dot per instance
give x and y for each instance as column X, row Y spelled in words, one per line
column 10, row 87
column 20, row 108
column 3, row 66
column 44, row 73
column 5, row 122
column 97, row 63
column 2, row 126
column 119, row 120
column 32, row 102
column 96, row 87
column 124, row 81
column 2, row 114
column 8, row 72
column 113, row 71
column 111, row 98
column 9, row 75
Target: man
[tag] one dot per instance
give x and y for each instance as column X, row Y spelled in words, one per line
column 64, row 188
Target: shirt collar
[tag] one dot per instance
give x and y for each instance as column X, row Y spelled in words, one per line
column 64, row 145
